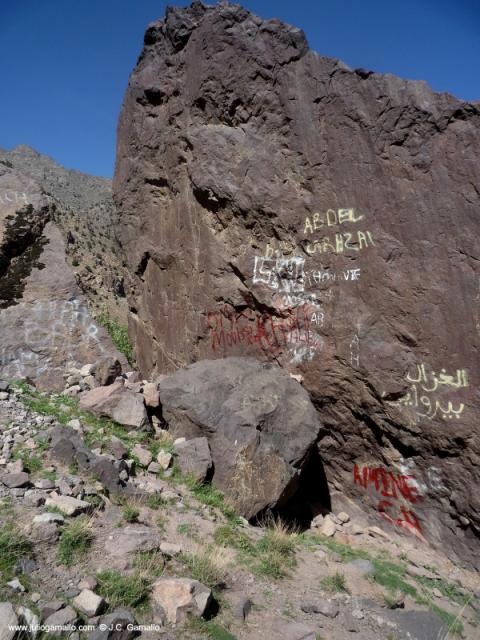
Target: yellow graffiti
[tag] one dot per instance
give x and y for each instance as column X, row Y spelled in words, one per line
column 284, row 247
column 431, row 382
column 331, row 219
column 341, row 242
column 422, row 397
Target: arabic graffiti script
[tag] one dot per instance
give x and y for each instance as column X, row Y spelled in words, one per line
column 428, row 390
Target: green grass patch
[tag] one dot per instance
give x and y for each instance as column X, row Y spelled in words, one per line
column 391, row 576
column 346, row 552
column 448, row 589
column 186, row 529
column 75, row 541
column 150, row 564
column 13, row 546
column 210, row 629
column 275, row 551
column 277, row 541
column 204, row 567
column 335, row 584
column 119, row 335
column 227, row 536
column 270, row 557
column 270, row 565
column 130, row 513
column 212, row 497
column 453, row 622
column 121, row 590
column 155, row 501
column 31, row 462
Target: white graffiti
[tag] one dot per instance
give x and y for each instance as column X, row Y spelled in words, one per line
column 281, row 274
column 355, row 351
column 434, row 482
column 315, row 278
column 305, row 351
column 50, row 331
column 8, row 197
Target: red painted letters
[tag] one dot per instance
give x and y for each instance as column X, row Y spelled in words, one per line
column 394, row 486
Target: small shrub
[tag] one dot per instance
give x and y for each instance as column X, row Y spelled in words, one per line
column 279, row 539
column 277, row 550
column 205, row 566
column 74, row 542
column 130, row 513
column 31, row 462
column 155, row 501
column 150, row 564
column 335, row 583
column 270, row 565
column 392, row 600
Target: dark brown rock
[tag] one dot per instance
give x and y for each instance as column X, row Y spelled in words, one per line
column 16, row 480
column 260, row 424
column 283, row 206
column 106, row 370
column 68, row 448
column 119, row 625
column 117, row 403
column 194, row 458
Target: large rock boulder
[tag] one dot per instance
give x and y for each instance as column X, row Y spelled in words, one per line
column 283, row 206
column 173, row 599
column 106, row 370
column 194, row 458
column 69, row 449
column 45, row 320
column 260, row 424
column 132, row 539
column 117, row 403
column 8, row 619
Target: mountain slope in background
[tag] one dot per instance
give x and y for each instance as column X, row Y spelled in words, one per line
column 85, row 213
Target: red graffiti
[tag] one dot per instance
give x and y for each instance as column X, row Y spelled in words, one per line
column 271, row 333
column 390, row 483
column 395, row 486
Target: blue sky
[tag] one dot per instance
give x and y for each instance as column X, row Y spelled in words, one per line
column 65, row 63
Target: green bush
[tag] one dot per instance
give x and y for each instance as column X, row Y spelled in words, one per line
column 13, row 546
column 121, row 590
column 204, row 566
column 119, row 335
column 335, row 583
column 74, row 542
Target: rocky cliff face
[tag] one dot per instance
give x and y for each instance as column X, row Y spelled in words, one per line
column 45, row 317
column 83, row 209
column 274, row 203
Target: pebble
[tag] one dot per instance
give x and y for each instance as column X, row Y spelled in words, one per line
column 16, row 585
